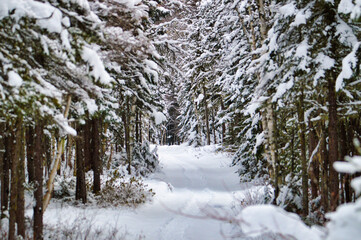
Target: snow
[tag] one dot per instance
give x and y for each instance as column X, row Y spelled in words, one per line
column 189, row 180
column 130, row 3
column 356, row 185
column 159, row 117
column 14, row 79
column 151, row 64
column 282, row 89
column 65, row 39
column 91, row 105
column 48, row 17
column 302, row 49
column 98, row 69
column 325, row 63
column 349, row 62
column 288, row 9
column 52, row 24
column 193, row 183
column 345, row 222
column 64, row 126
column 261, row 219
column 352, row 165
column 66, row 22
column 199, row 99
column 301, row 18
column 349, row 6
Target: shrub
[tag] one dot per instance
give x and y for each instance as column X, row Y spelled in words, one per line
column 144, row 161
column 119, row 190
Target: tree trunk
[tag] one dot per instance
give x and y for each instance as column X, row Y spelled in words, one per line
column 333, row 142
column 20, row 214
column 272, row 141
column 16, row 132
column 126, row 138
column 262, row 18
column 199, row 125
column 140, row 128
column 49, row 153
column 5, row 172
column 137, row 126
column 30, row 153
column 314, row 166
column 214, row 127
column 50, row 182
column 38, row 181
column 324, row 178
column 80, row 190
column 342, row 153
column 206, row 116
column 223, row 124
column 2, row 158
column 251, row 24
column 88, row 151
column 301, row 132
column 69, row 152
column 126, row 120
column 350, row 138
column 96, row 160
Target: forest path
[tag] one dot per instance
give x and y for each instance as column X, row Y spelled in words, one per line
column 190, row 179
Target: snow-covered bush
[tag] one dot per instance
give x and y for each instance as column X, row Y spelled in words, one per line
column 345, row 222
column 119, row 191
column 64, row 187
column 82, row 228
column 144, row 160
column 290, row 195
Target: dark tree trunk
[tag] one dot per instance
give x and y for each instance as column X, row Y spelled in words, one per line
column 207, row 116
column 350, row 138
column 20, row 214
column 2, row 155
column 223, row 124
column 38, row 181
column 96, row 161
column 88, row 151
column 126, row 120
column 342, row 153
column 214, row 127
column 49, row 156
column 140, row 128
column 69, row 152
column 14, row 193
column 14, row 178
column 302, row 133
column 30, row 153
column 80, row 168
column 137, row 126
column 314, row 168
column 325, row 177
column 333, row 142
column 5, row 172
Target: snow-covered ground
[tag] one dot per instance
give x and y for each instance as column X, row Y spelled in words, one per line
column 191, row 179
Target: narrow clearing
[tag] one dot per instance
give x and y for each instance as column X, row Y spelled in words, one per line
column 190, row 180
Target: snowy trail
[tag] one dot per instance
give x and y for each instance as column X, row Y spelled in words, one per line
column 190, row 179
